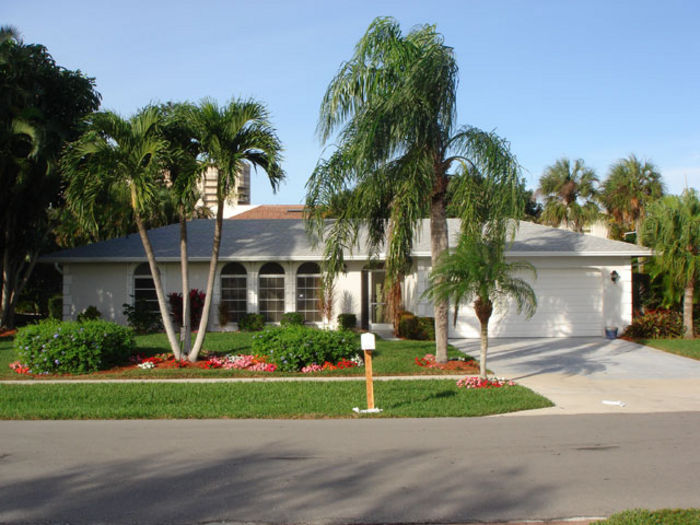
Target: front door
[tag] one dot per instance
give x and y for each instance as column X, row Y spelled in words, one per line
column 378, row 313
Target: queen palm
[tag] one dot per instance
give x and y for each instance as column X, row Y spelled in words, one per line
column 672, row 230
column 393, row 108
column 631, row 186
column 125, row 153
column 478, row 271
column 569, row 190
column 231, row 136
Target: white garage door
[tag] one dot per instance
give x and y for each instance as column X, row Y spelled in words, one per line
column 569, row 304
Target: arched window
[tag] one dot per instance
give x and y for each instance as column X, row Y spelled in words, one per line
column 233, row 291
column 271, row 292
column 309, row 292
column 144, row 289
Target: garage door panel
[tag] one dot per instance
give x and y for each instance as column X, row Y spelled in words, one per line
column 570, row 303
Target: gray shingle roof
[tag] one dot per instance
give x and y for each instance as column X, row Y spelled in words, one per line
column 287, row 240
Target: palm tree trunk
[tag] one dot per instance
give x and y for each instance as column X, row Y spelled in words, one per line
column 688, row 309
column 484, row 348
column 438, row 246
column 185, row 277
column 210, row 282
column 167, row 323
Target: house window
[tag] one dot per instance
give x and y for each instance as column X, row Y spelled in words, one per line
column 144, row 289
column 234, row 291
column 308, row 291
column 271, row 292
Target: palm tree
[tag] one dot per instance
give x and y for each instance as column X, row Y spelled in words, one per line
column 630, row 187
column 393, row 106
column 184, row 170
column 231, row 136
column 568, row 191
column 127, row 153
column 672, row 230
column 478, row 271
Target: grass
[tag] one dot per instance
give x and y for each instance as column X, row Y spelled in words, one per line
column 289, row 399
column 656, row 517
column 390, row 358
column 685, row 347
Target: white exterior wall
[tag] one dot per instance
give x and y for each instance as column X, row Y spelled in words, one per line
column 576, row 294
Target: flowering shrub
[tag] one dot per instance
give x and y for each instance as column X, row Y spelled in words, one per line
column 241, row 362
column 71, row 347
column 293, row 347
column 477, row 382
column 340, row 365
column 19, row 367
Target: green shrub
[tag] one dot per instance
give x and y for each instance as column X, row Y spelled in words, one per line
column 89, row 314
column 141, row 318
column 55, row 305
column 347, row 321
column 71, row 347
column 293, row 347
column 427, row 326
column 292, row 318
column 656, row 324
column 416, row 328
column 251, row 322
column 408, row 326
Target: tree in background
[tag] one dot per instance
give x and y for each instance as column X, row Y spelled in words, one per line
column 672, row 230
column 41, row 108
column 568, row 191
column 631, row 186
column 231, row 136
column 393, row 107
column 117, row 152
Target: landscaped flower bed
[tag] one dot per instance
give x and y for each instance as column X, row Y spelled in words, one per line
column 461, row 364
column 473, row 382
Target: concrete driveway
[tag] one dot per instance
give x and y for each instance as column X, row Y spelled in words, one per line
column 593, row 375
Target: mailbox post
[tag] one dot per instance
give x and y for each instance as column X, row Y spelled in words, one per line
column 368, row 345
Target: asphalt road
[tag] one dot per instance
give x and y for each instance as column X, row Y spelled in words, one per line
column 347, row 471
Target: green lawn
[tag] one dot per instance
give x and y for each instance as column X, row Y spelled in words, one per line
column 390, row 358
column 685, row 347
column 656, row 517
column 290, row 399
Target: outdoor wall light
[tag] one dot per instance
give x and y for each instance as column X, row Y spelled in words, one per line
column 614, row 276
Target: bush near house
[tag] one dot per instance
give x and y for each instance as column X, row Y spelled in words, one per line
column 656, row 324
column 292, row 318
column 347, row 321
column 416, row 328
column 89, row 314
column 251, row 322
column 141, row 318
column 196, row 305
column 55, row 305
column 72, row 347
column 292, row 347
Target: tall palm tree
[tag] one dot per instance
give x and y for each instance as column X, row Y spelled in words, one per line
column 393, row 108
column 627, row 192
column 116, row 151
column 478, row 271
column 568, row 190
column 672, row 230
column 184, row 170
column 231, row 136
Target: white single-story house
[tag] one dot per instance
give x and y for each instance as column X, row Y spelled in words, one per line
column 583, row 283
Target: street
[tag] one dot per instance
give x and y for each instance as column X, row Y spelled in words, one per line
column 345, row 471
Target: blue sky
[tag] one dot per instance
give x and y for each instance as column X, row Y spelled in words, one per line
column 595, row 80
